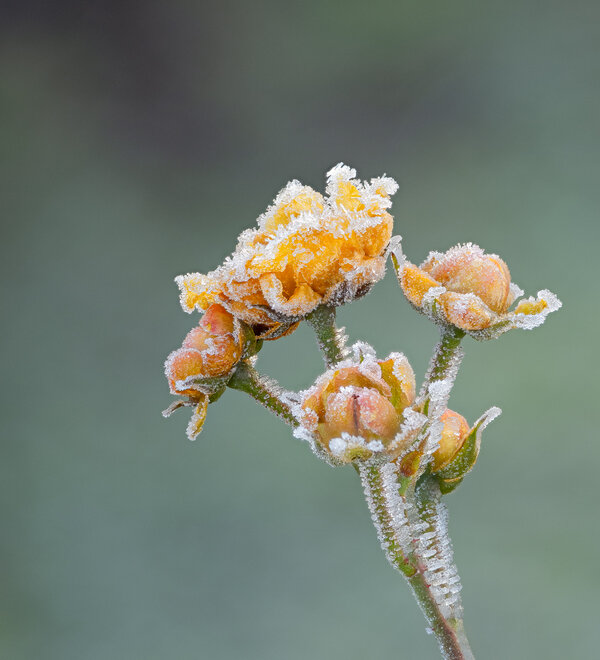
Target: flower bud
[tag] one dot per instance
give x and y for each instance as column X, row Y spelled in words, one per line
column 459, row 448
column 467, row 269
column 181, row 365
column 217, row 340
column 471, row 290
column 454, row 433
column 209, row 351
column 357, row 409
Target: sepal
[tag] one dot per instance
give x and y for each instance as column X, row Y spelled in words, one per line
column 464, row 460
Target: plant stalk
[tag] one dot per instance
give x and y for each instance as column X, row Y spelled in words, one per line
column 247, row 379
column 329, row 338
column 446, row 356
column 399, row 525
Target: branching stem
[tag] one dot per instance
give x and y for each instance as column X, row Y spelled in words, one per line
column 400, row 539
column 247, row 379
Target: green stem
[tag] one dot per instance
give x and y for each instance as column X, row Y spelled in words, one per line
column 450, row 633
column 329, row 338
column 433, row 514
column 247, row 379
column 444, row 361
column 445, row 352
column 383, row 519
column 399, row 527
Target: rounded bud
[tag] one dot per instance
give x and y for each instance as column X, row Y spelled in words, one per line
column 467, row 269
column 361, row 412
column 355, row 410
column 181, row 365
column 209, row 351
column 464, row 287
column 454, row 433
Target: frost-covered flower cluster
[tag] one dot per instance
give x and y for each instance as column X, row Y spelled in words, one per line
column 309, row 254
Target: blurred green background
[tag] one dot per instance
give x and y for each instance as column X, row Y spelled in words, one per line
column 138, row 140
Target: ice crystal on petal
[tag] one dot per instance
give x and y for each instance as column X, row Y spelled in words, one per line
column 436, row 549
column 413, row 423
column 337, row 446
column 546, row 301
column 361, row 351
column 515, row 291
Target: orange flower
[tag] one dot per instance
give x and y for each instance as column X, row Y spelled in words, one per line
column 307, row 250
column 471, row 290
column 356, row 410
column 201, row 367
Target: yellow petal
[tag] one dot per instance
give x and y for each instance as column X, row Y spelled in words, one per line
column 302, row 301
column 531, row 307
column 196, row 291
column 415, row 283
column 199, row 416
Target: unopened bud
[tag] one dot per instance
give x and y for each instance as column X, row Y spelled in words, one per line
column 467, row 269
column 361, row 412
column 209, row 352
column 354, row 409
column 454, row 432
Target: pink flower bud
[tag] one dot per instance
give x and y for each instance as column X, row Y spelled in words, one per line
column 471, row 290
column 363, row 401
column 210, row 350
column 468, row 269
column 359, row 411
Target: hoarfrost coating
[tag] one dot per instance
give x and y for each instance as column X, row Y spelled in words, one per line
column 307, row 250
column 308, row 254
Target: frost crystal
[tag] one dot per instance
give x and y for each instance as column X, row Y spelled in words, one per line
column 404, row 530
column 435, row 548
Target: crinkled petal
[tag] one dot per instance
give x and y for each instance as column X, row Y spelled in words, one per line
column 196, row 423
column 532, row 312
column 197, row 291
column 301, row 302
column 416, row 283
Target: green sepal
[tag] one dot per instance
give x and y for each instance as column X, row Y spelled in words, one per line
column 250, row 344
column 216, row 395
column 465, row 458
column 448, row 486
column 452, row 475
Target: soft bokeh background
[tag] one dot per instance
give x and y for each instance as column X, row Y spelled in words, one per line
column 138, row 139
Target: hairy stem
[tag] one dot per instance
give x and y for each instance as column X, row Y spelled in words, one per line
column 247, row 379
column 408, row 532
column 450, row 633
column 445, row 354
column 329, row 338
